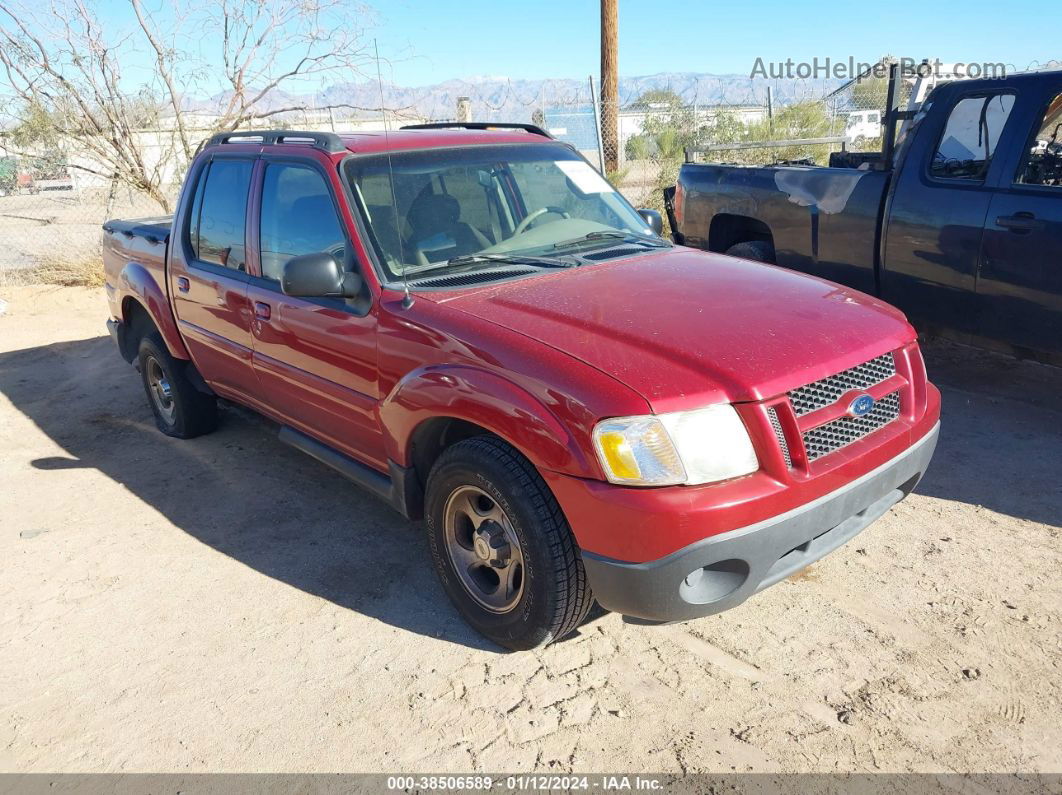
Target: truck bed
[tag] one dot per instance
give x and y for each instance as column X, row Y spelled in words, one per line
column 141, row 240
column 823, row 221
column 154, row 230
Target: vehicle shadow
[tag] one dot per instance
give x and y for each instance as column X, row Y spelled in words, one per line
column 245, row 494
column 238, row 490
column 1001, row 433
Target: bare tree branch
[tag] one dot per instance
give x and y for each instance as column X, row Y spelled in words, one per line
column 162, row 60
column 258, row 58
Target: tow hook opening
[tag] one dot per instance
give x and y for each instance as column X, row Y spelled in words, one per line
column 714, row 582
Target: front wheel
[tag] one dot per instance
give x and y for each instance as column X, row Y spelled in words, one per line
column 502, row 547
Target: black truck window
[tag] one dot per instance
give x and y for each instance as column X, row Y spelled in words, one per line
column 965, row 149
column 223, row 213
column 1043, row 162
column 298, row 217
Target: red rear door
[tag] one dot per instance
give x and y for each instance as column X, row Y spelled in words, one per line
column 208, row 275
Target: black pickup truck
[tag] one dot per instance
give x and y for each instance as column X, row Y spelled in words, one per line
column 961, row 228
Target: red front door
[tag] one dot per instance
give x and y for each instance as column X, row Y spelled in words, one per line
column 315, row 358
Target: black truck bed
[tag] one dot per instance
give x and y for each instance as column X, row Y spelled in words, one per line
column 154, row 230
column 822, row 221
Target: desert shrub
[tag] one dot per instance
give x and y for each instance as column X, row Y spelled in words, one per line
column 84, row 271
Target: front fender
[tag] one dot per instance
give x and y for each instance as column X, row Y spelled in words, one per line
column 490, row 401
column 136, row 283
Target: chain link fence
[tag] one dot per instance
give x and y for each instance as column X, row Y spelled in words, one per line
column 749, row 123
column 54, row 203
column 51, row 210
column 657, row 128
column 654, row 125
column 57, row 224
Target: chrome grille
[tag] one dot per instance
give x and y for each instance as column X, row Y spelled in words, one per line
column 776, row 424
column 812, row 397
column 842, row 432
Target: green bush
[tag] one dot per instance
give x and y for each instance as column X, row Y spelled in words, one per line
column 671, row 127
column 8, row 175
column 637, row 147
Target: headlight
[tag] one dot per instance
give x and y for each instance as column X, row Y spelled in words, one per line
column 683, row 447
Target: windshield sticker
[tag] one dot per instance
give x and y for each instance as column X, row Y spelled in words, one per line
column 583, row 176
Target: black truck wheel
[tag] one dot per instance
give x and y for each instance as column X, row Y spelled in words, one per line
column 180, row 409
column 502, row 547
column 758, row 250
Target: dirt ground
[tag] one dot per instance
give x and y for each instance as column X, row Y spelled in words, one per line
column 228, row 604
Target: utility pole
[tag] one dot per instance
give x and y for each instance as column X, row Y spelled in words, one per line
column 610, row 84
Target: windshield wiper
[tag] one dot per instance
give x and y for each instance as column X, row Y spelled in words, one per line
column 511, row 259
column 618, row 234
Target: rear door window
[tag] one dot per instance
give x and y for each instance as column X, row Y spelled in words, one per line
column 969, row 140
column 217, row 233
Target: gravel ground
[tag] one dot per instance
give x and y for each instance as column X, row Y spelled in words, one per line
column 227, row 604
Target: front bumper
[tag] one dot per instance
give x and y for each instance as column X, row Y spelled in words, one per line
column 722, row 571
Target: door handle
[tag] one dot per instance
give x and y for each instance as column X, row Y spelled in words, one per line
column 262, row 310
column 1020, row 222
column 183, row 284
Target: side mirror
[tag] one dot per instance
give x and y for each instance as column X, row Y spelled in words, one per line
column 318, row 275
column 652, row 217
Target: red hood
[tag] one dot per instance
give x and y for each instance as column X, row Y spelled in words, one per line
column 686, row 328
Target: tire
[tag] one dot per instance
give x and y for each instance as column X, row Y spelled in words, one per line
column 180, row 410
column 519, row 522
column 758, row 250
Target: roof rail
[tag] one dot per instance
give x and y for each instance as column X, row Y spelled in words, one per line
column 479, row 125
column 329, row 142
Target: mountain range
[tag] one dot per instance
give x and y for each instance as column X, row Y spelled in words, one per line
column 494, row 97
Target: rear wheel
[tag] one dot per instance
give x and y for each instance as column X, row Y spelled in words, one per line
column 758, row 250
column 502, row 547
column 180, row 409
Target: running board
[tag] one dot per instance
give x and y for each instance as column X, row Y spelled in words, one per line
column 400, row 490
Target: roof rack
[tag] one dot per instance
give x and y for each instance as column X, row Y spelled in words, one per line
column 329, row 142
column 534, row 129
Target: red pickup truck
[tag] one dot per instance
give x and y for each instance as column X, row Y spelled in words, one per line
column 470, row 322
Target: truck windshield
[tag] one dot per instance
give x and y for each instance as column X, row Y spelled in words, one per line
column 432, row 209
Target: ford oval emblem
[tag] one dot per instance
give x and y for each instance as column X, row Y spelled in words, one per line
column 860, row 406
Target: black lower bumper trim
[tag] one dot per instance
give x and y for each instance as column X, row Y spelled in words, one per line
column 723, row 571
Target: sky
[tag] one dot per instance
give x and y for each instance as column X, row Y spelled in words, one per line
column 429, row 41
